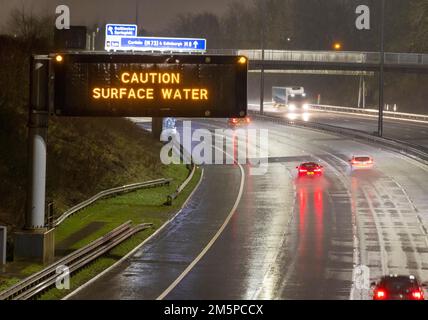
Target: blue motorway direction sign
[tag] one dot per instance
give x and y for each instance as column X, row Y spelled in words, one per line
column 161, row 44
column 121, row 30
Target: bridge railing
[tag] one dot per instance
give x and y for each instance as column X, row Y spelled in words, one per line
column 308, row 56
column 328, row 56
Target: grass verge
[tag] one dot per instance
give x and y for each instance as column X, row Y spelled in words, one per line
column 144, row 206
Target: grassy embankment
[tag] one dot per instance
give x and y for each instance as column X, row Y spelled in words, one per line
column 85, row 156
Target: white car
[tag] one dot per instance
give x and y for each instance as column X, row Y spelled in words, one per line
column 362, row 162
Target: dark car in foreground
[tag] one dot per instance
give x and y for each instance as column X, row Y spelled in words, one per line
column 398, row 287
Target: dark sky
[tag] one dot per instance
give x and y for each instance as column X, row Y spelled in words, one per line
column 154, row 14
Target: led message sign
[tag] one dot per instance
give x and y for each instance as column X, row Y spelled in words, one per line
column 150, row 85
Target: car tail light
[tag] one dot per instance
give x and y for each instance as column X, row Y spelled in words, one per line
column 248, row 120
column 234, row 120
column 380, row 294
column 417, row 295
column 318, row 170
column 302, row 170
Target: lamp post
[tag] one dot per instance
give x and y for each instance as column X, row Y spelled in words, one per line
column 381, row 68
column 136, row 12
column 262, row 69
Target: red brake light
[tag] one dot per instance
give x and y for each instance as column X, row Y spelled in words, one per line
column 417, row 295
column 248, row 120
column 302, row 170
column 380, row 294
column 234, row 120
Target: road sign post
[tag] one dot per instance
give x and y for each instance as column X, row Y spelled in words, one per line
column 35, row 241
column 37, row 133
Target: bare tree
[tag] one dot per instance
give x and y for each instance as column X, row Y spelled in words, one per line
column 29, row 27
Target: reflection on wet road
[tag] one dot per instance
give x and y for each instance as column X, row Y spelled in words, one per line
column 289, row 238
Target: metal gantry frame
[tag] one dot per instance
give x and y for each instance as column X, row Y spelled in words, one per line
column 37, row 142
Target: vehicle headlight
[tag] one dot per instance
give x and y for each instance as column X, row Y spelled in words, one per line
column 306, row 106
column 292, row 107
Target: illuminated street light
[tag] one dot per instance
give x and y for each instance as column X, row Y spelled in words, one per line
column 337, row 46
column 242, row 60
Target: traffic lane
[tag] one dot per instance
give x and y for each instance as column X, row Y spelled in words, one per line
column 147, row 273
column 387, row 201
column 317, row 263
column 411, row 132
column 383, row 215
column 237, row 262
column 407, row 131
column 262, row 242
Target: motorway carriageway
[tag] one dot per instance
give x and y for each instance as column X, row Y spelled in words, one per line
column 411, row 132
column 278, row 237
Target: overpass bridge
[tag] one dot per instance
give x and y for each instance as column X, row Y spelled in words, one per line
column 331, row 60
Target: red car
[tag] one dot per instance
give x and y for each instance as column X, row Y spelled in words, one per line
column 310, row 169
column 234, row 122
column 396, row 287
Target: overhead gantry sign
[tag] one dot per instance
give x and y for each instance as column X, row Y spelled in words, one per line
column 150, row 85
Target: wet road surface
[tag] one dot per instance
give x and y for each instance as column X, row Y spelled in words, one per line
column 289, row 238
column 413, row 133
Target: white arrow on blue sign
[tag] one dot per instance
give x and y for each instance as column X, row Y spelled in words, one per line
column 162, row 44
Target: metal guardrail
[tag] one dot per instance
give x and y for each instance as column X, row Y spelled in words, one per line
column 177, row 192
column 109, row 192
column 399, row 146
column 372, row 112
column 44, row 279
column 186, row 156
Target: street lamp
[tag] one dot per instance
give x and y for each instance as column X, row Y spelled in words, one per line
column 337, row 46
column 381, row 68
column 262, row 69
column 136, row 12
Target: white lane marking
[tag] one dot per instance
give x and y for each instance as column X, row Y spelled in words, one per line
column 213, row 240
column 381, row 240
column 133, row 251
